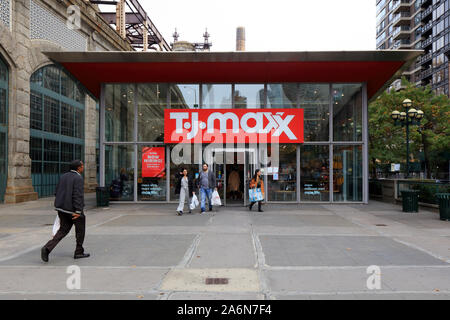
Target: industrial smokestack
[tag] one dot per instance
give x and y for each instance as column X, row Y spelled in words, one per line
column 240, row 39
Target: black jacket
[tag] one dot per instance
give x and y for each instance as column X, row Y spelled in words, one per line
column 69, row 195
column 178, row 184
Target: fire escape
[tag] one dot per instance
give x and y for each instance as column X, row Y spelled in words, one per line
column 132, row 23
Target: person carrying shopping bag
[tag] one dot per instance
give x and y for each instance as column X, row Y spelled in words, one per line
column 256, row 191
column 185, row 188
column 206, row 184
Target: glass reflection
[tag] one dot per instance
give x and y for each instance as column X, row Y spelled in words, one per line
column 119, row 172
column 315, row 101
column 347, row 112
column 216, row 96
column 152, row 100
column 184, row 96
column 282, row 95
column 250, row 96
column 347, row 173
column 314, row 173
column 282, row 178
column 119, row 112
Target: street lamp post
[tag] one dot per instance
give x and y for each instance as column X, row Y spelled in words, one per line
column 409, row 117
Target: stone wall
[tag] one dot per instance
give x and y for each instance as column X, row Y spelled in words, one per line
column 24, row 56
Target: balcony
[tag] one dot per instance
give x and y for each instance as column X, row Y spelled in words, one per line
column 427, row 13
column 402, row 5
column 426, row 3
column 427, row 73
column 402, row 44
column 402, row 19
column 402, row 32
column 427, row 42
column 425, row 58
column 427, row 27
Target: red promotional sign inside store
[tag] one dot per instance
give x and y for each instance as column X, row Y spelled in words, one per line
column 233, row 126
column 153, row 164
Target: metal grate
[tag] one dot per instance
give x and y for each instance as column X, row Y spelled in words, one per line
column 5, row 12
column 48, row 26
column 212, row 281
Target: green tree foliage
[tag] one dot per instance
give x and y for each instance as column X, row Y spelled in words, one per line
column 387, row 143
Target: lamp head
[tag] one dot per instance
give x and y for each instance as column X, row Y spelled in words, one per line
column 419, row 115
column 412, row 113
column 402, row 115
column 395, row 115
column 407, row 103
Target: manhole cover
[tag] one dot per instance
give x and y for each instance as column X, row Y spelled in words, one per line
column 381, row 225
column 216, row 281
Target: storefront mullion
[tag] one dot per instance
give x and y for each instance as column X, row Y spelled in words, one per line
column 135, row 141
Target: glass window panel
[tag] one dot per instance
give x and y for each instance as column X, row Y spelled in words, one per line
column 347, row 112
column 67, row 86
column 151, row 173
column 36, row 149
column 152, row 100
column 250, row 96
column 51, row 78
column 78, row 123
column 67, row 127
column 315, row 101
column 347, row 173
column 282, row 178
column 119, row 172
column 79, row 154
column 36, row 77
column 3, row 106
column 67, row 152
column 184, row 96
column 51, row 115
column 36, row 110
column 314, row 173
column 51, row 150
column 216, row 96
column 282, row 95
column 119, row 112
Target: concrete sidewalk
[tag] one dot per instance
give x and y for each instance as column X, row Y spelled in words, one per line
column 142, row 251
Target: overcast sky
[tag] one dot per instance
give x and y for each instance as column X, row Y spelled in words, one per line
column 276, row 25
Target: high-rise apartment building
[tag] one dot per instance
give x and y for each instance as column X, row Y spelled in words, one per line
column 418, row 24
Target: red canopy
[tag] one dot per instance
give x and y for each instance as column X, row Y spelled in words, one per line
column 376, row 68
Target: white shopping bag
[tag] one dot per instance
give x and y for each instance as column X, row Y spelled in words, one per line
column 194, row 202
column 215, row 199
column 56, row 225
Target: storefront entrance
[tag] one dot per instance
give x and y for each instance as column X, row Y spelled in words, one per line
column 234, row 168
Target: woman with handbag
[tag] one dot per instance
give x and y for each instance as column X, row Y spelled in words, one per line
column 185, row 188
column 255, row 184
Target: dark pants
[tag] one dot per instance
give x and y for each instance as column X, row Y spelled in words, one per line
column 66, row 223
column 259, row 205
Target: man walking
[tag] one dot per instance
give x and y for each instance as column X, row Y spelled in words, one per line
column 206, row 182
column 69, row 202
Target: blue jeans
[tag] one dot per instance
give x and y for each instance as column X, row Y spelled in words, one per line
column 205, row 192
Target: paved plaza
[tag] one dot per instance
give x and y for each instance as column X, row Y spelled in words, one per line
column 287, row 252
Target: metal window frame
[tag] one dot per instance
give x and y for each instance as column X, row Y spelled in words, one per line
column 330, row 143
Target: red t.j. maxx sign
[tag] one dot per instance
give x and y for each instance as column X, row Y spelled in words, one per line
column 233, row 126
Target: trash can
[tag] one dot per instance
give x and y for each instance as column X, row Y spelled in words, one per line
column 102, row 196
column 444, row 205
column 410, row 201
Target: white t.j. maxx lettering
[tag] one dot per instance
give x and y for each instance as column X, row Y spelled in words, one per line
column 275, row 123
